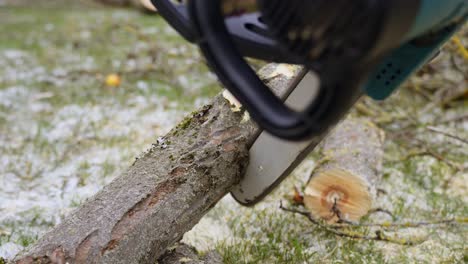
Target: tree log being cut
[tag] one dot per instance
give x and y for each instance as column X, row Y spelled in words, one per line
column 343, row 185
column 165, row 192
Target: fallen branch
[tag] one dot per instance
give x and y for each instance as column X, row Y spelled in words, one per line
column 142, row 4
column 410, row 224
column 378, row 235
column 348, row 229
column 436, row 130
column 164, row 193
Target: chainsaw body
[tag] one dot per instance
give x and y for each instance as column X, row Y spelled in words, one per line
column 349, row 44
column 352, row 47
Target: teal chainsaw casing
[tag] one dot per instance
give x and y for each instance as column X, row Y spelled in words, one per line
column 346, row 48
column 435, row 23
column 354, row 47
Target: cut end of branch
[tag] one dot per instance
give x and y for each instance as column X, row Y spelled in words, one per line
column 336, row 194
column 148, row 5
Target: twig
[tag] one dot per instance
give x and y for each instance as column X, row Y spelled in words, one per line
column 428, row 151
column 336, row 212
column 389, row 224
column 437, row 156
column 381, row 191
column 457, row 67
column 417, row 88
column 381, row 210
column 435, row 130
column 462, row 220
column 378, row 235
column 454, row 119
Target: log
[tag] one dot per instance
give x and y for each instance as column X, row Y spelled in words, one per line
column 146, row 4
column 117, row 2
column 164, row 193
column 142, row 4
column 183, row 253
column 343, row 185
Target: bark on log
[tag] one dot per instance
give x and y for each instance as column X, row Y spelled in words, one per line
column 164, row 193
column 182, row 253
column 117, row 2
column 342, row 186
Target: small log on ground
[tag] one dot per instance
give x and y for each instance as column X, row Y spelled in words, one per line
column 142, row 4
column 164, row 193
column 343, row 185
column 146, row 4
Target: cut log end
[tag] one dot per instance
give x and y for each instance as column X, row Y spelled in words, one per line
column 148, row 5
column 337, row 192
column 343, row 187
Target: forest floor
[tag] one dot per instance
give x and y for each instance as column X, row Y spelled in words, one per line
column 65, row 133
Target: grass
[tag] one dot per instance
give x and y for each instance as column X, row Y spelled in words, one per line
column 64, row 134
column 417, row 187
column 94, row 42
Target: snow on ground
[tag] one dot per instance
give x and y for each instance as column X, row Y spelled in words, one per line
column 44, row 171
column 64, row 135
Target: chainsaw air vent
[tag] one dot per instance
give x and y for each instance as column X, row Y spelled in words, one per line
column 388, row 74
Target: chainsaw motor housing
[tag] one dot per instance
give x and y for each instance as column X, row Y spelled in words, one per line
column 346, row 43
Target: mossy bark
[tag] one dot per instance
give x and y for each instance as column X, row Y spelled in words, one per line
column 164, row 193
column 183, row 253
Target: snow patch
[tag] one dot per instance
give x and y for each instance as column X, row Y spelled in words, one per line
column 207, row 234
column 9, row 250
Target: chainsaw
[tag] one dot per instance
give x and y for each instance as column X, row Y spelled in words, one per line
column 347, row 49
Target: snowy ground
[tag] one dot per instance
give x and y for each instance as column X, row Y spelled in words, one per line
column 64, row 134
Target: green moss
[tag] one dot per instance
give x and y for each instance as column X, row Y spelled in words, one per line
column 185, row 123
column 108, row 168
column 26, row 240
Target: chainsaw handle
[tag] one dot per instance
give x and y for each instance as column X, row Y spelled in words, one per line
column 177, row 17
column 248, row 32
column 267, row 109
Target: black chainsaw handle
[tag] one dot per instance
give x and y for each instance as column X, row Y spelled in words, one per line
column 177, row 17
column 248, row 32
column 333, row 101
